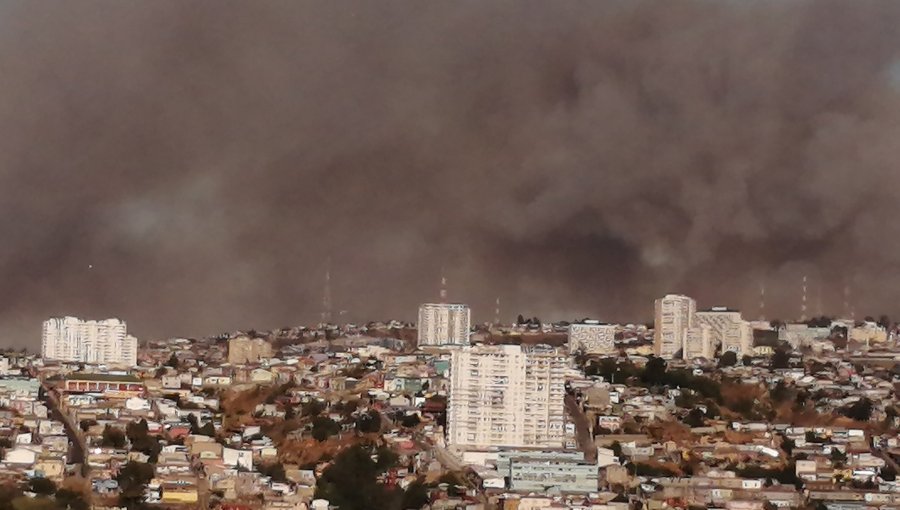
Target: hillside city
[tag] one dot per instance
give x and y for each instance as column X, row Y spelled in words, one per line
column 703, row 408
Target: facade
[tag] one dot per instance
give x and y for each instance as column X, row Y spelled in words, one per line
column 98, row 342
column 729, row 329
column 507, row 395
column 444, row 324
column 554, row 476
column 592, row 337
column 112, row 386
column 674, row 315
column 698, row 343
column 243, row 350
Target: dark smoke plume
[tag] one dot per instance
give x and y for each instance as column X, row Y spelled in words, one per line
column 190, row 166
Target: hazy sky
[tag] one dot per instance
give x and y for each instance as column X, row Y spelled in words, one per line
column 190, row 166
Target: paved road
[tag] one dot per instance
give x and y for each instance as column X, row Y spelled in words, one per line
column 582, row 429
column 447, row 459
column 77, row 454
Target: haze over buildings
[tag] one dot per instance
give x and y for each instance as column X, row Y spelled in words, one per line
column 215, row 166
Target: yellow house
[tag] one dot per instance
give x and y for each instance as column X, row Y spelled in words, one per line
column 175, row 494
column 51, row 468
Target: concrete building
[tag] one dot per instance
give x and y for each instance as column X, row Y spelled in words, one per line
column 592, row 337
column 674, row 315
column 698, row 343
column 551, row 476
column 98, row 342
column 507, row 395
column 444, row 324
column 729, row 329
column 110, row 385
column 243, row 350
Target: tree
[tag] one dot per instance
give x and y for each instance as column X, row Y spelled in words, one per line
column 838, row 458
column 746, row 360
column 275, row 471
column 410, row 421
column 112, row 437
column 888, row 474
column 415, row 497
column 728, row 359
column 86, row 424
column 70, row 500
column 133, row 478
column 861, row 410
column 694, row 418
column 616, row 448
column 788, row 444
column 324, row 427
column 137, row 430
column 780, row 392
column 41, row 486
column 885, row 322
column 351, row 482
column 369, row 423
column 173, row 362
column 312, row 408
column 781, row 359
column 654, row 371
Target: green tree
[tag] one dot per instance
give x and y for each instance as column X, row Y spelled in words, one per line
column 369, row 422
column 137, row 430
column 655, row 371
column 781, row 359
column 616, row 448
column 694, row 418
column 42, row 486
column 312, row 408
column 112, row 437
column 274, row 470
column 133, row 479
column 410, row 421
column 861, row 410
column 728, row 359
column 324, row 427
column 70, row 500
column 351, row 482
column 415, row 496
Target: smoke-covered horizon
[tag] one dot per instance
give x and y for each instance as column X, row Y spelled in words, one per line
column 190, row 167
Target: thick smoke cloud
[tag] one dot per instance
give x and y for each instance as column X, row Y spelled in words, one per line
column 191, row 166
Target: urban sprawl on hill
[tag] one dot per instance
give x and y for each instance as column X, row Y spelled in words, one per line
column 701, row 409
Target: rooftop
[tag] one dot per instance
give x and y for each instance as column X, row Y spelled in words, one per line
column 102, row 377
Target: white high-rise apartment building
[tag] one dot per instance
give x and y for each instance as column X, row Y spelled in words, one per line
column 729, row 329
column 674, row 315
column 592, row 337
column 99, row 342
column 444, row 324
column 507, row 395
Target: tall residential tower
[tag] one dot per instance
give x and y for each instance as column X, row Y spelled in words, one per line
column 674, row 316
column 101, row 342
column 443, row 324
column 507, row 395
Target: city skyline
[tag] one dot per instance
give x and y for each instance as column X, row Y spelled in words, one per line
column 198, row 179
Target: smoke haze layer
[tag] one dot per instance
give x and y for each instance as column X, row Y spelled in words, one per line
column 190, row 166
